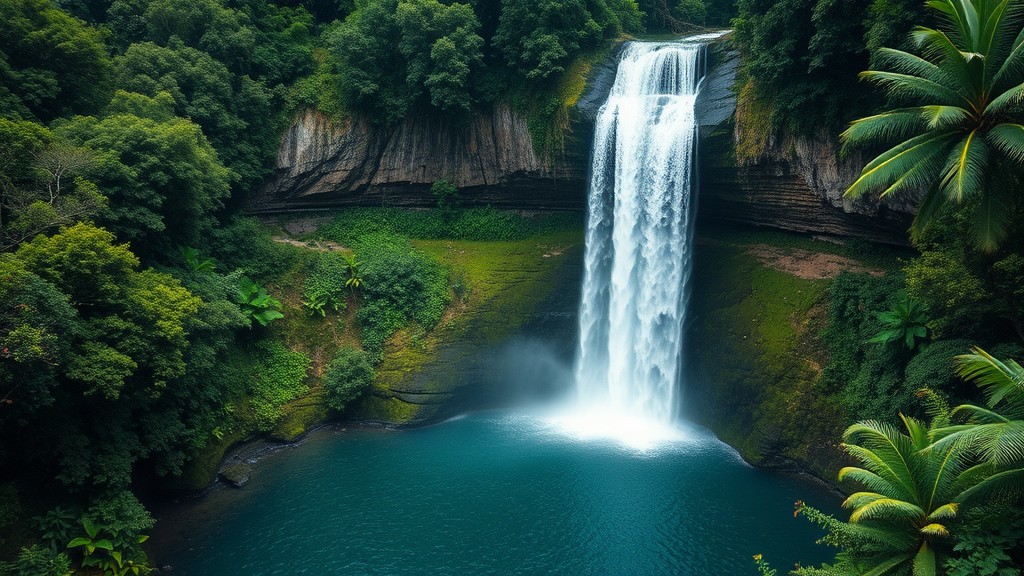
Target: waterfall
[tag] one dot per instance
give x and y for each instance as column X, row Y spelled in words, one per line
column 639, row 234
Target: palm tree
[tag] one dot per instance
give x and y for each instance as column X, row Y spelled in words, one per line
column 900, row 523
column 992, row 435
column 960, row 141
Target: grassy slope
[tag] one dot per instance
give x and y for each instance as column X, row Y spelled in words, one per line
column 505, row 283
column 756, row 355
column 496, row 287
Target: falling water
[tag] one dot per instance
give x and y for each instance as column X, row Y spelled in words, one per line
column 638, row 242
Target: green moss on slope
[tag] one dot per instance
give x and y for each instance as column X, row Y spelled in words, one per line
column 756, row 354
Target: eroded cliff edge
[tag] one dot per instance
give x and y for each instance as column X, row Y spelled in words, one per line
column 793, row 183
column 324, row 164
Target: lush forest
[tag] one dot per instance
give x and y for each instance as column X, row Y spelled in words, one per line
column 146, row 323
column 936, row 488
column 139, row 324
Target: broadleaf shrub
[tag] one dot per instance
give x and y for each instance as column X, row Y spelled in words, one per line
column 401, row 285
column 348, row 375
column 280, row 376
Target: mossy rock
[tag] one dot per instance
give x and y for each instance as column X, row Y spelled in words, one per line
column 237, row 475
column 201, row 471
column 299, row 416
column 509, row 283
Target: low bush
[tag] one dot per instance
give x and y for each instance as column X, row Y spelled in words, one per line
column 481, row 224
column 247, row 245
column 38, row 561
column 867, row 376
column 325, row 284
column 347, row 377
column 280, row 376
column 400, row 285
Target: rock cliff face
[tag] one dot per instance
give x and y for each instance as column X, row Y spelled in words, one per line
column 491, row 158
column 797, row 183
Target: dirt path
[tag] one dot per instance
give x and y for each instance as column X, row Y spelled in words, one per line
column 808, row 265
column 319, row 245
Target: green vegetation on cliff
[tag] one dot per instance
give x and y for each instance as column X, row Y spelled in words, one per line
column 940, row 494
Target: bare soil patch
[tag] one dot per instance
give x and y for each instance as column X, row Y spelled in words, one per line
column 808, row 265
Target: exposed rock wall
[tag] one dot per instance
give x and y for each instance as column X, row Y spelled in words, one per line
column 797, row 183
column 490, row 157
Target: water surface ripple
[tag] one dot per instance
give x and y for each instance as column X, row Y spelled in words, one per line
column 494, row 493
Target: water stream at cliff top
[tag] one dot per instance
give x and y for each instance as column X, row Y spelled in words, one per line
column 638, row 246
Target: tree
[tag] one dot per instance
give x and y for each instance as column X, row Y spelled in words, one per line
column 959, row 140
column 348, row 375
column 941, row 497
column 442, row 49
column 51, row 64
column 371, row 69
column 237, row 115
column 539, row 39
column 163, row 180
column 673, row 15
column 43, row 183
column 97, row 361
column 902, row 523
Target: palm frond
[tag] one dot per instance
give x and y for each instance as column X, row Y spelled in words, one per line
column 917, row 431
column 945, row 467
column 907, row 63
column 991, row 222
column 1008, row 138
column 999, row 443
column 924, row 561
column 887, row 509
column 993, row 33
column 1000, row 380
column 869, row 480
column 935, row 529
column 979, row 415
column 889, row 166
column 966, row 168
column 908, row 86
column 901, row 123
column 939, row 117
column 972, row 477
column 954, row 17
column 898, row 476
column 1001, row 484
column 928, row 209
column 887, row 565
column 952, row 68
column 879, row 537
column 1013, row 64
column 945, row 511
column 920, row 176
column 1006, row 101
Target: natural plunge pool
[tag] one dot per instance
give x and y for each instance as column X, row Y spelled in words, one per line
column 494, row 493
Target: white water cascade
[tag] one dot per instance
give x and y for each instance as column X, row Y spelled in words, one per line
column 638, row 244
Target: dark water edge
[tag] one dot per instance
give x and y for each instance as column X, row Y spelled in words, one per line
column 420, row 501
